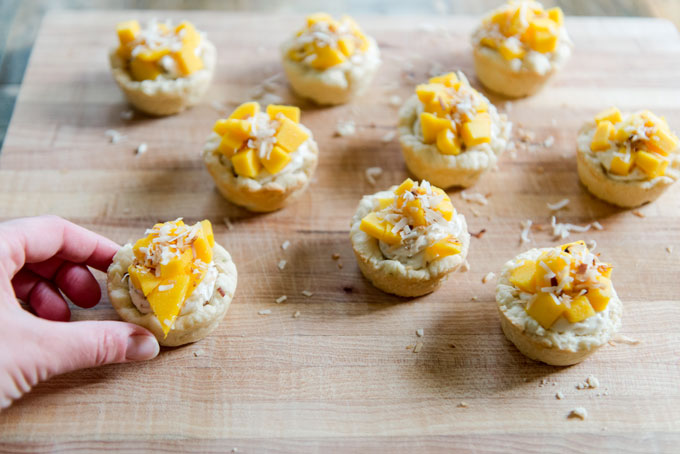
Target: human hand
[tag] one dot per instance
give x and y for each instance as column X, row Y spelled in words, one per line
column 41, row 258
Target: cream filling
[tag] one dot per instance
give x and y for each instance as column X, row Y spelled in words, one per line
column 198, row 298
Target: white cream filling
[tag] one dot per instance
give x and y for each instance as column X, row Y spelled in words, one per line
column 201, row 294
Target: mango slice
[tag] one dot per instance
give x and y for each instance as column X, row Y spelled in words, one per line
column 545, row 309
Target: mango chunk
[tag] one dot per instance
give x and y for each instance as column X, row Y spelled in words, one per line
column 579, row 310
column 140, row 246
column 187, row 60
column 318, row 17
column 414, row 210
column 166, row 300
column 326, row 57
column 445, row 207
column 245, row 110
column 622, row 163
column 542, row 36
column 144, row 70
column 650, row 164
column 428, row 92
column 449, row 80
column 448, row 143
column 488, row 42
column 346, row 46
column 234, row 134
column 663, row 142
column 432, row 125
column 290, row 135
column 557, row 263
column 556, row 15
column 246, row 163
column 599, row 297
column 511, row 49
column 443, row 248
column 206, row 226
column 153, row 55
column 177, row 265
column 378, row 228
column 600, row 141
column 612, row 115
column 524, row 276
column 292, row 112
column 477, row 131
column 277, row 159
column 189, row 35
column 202, row 250
column 384, row 202
column 545, row 309
column 143, row 279
column 127, row 31
column 439, row 106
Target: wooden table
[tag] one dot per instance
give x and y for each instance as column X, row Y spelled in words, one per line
column 341, row 377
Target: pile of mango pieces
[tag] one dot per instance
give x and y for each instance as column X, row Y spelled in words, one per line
column 145, row 65
column 236, row 130
column 412, row 209
column 439, row 98
column 524, row 26
column 322, row 55
column 648, row 155
column 167, row 285
column 550, row 270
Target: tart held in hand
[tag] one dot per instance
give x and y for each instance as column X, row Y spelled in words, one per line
column 558, row 304
column 330, row 61
column 627, row 160
column 162, row 68
column 176, row 282
column 451, row 134
column 261, row 161
column 519, row 47
column 408, row 239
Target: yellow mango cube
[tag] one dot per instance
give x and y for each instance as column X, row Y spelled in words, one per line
column 290, row 135
column 445, row 207
column 622, row 163
column 612, row 115
column 439, row 106
column 202, row 250
column 177, row 265
column 447, row 142
column 428, row 92
column 524, row 276
column 556, row 15
column 432, row 125
column 652, row 165
column 206, row 226
column 189, row 35
column 278, row 159
column 140, row 247
column 543, row 41
column 405, row 186
column 153, row 55
column 127, row 31
column 477, row 131
column 346, row 46
column 557, row 262
column 599, row 297
column 414, row 210
column 579, row 310
column 245, row 110
column 600, row 141
column 144, row 70
column 187, row 60
column 511, row 49
column 167, row 299
column 449, row 80
column 488, row 42
column 545, row 308
column 663, row 142
column 384, row 202
column 292, row 112
column 143, row 279
column 318, row 17
column 246, row 163
column 443, row 248
column 326, row 57
column 234, row 134
column 378, row 228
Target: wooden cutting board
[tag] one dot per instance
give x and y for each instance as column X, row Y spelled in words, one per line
column 341, row 377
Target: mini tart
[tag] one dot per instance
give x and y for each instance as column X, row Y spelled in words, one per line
column 627, row 160
column 558, row 305
column 261, row 161
column 519, row 46
column 408, row 239
column 451, row 134
column 162, row 69
column 160, row 303
column 330, row 61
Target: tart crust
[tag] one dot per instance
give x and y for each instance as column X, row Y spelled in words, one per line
column 249, row 193
column 166, row 96
column 494, row 72
column 324, row 87
column 626, row 194
column 560, row 349
column 391, row 276
column 188, row 328
column 445, row 171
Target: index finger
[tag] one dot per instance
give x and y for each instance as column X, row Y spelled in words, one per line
column 34, row 240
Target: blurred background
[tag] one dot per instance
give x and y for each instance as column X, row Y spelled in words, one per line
column 20, row 20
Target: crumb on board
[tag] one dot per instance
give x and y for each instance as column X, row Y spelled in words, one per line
column 420, row 332
column 296, row 314
column 388, row 137
column 335, row 256
column 345, row 128
column 669, row 249
column 141, row 149
column 228, row 224
column 282, row 264
column 489, row 276
column 638, row 213
column 463, row 404
column 623, row 339
column 281, row 299
column 372, row 173
column 591, row 382
column 394, row 100
column 578, row 412
column 264, row 311
column 285, row 245
column 198, row 353
column 559, row 395
column 474, row 298
column 114, row 136
column 418, row 347
column 474, row 197
column 307, row 293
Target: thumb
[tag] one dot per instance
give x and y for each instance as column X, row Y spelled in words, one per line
column 76, row 345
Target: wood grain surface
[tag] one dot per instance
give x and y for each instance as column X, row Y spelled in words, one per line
column 340, row 377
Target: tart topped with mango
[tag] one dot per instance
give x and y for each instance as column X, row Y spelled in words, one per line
column 408, row 239
column 628, row 159
column 261, row 160
column 330, row 60
column 450, row 133
column 162, row 68
column 176, row 282
column 558, row 305
column 519, row 46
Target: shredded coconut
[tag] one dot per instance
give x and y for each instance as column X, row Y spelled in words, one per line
column 389, row 137
column 418, row 347
column 345, row 128
column 420, row 332
column 228, row 224
column 265, row 312
column 372, row 173
column 282, row 264
column 141, row 149
column 562, row 231
column 526, row 228
column 114, row 136
column 394, row 101
column 281, row 299
column 127, row 114
column 285, row 245
column 165, row 288
column 559, row 395
column 578, row 412
column 549, row 142
column 307, row 293
column 558, row 205
column 475, row 197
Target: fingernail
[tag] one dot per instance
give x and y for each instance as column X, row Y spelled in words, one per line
column 141, row 347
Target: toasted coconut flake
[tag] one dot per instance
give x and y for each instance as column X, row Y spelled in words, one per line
column 558, row 205
column 372, row 173
column 345, row 128
column 669, row 249
column 474, row 197
column 490, row 275
column 638, row 213
column 578, row 412
column 335, row 256
column 281, row 299
column 479, row 234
